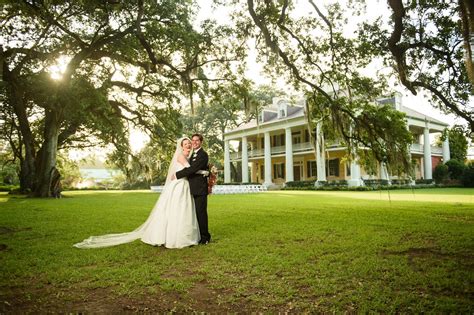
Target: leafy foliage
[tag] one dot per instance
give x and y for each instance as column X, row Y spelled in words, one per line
column 441, row 173
column 424, row 47
column 125, row 64
column 313, row 54
column 467, row 177
column 456, row 168
column 458, row 144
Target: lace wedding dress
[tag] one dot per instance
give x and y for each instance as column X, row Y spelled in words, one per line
column 172, row 222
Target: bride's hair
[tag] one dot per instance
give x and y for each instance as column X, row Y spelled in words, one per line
column 183, row 139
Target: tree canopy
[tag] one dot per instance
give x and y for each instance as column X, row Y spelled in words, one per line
column 428, row 44
column 82, row 73
column 125, row 63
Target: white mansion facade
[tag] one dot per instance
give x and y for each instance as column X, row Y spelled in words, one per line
column 277, row 149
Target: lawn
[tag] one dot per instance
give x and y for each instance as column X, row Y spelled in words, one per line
column 407, row 251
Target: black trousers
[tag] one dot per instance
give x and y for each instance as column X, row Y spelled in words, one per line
column 200, row 201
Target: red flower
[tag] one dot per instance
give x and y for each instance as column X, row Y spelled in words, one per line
column 211, row 181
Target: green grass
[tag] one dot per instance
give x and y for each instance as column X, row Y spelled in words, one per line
column 397, row 251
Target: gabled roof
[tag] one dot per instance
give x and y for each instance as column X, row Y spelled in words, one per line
column 417, row 115
column 271, row 117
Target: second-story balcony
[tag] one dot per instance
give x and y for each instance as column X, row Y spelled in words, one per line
column 415, row 148
column 418, row 148
column 298, row 147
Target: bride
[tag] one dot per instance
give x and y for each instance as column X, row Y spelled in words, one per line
column 172, row 222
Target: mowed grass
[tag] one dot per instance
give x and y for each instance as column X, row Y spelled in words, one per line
column 397, row 251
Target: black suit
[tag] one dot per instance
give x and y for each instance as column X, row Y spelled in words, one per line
column 198, row 187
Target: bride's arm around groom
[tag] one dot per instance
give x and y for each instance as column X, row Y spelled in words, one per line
column 198, row 162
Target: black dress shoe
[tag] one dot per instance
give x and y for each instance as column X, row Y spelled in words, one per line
column 203, row 242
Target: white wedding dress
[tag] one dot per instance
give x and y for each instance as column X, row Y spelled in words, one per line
column 172, row 222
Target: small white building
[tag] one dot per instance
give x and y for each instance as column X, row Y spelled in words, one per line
column 277, row 149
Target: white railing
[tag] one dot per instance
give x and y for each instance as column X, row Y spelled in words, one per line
column 227, row 189
column 279, row 149
column 298, row 147
column 305, row 146
column 416, row 148
column 256, row 152
column 237, row 189
column 419, row 148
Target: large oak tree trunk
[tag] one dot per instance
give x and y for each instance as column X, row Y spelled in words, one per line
column 47, row 156
column 27, row 166
column 467, row 18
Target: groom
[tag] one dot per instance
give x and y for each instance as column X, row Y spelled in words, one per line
column 198, row 184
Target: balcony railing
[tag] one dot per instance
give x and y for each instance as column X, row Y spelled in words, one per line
column 278, row 149
column 256, row 152
column 299, row 147
column 418, row 148
column 306, row 146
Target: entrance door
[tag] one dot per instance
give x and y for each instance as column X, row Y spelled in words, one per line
column 297, row 172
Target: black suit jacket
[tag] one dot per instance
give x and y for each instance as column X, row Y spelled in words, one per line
column 197, row 182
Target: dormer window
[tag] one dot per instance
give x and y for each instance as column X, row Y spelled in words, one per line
column 282, row 109
column 261, row 116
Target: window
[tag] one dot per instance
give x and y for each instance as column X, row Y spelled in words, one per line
column 333, row 167
column 296, row 137
column 278, row 140
column 348, row 169
column 279, row 170
column 282, row 109
column 311, row 170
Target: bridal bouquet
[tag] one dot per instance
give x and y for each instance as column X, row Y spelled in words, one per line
column 212, row 178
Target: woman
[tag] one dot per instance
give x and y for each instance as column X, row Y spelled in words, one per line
column 172, row 222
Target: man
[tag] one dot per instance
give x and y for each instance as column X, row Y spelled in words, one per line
column 198, row 184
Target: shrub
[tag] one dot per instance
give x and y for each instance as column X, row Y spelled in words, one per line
column 423, row 181
column 375, row 182
column 307, row 183
column 455, row 168
column 401, row 182
column 8, row 188
column 440, row 173
column 467, row 177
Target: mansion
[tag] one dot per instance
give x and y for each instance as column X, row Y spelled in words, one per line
column 276, row 149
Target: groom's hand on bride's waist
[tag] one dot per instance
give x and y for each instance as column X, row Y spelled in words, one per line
column 203, row 173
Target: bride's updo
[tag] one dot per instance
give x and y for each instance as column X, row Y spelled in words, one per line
column 183, row 139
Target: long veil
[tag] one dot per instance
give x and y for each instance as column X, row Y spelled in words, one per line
column 122, row 238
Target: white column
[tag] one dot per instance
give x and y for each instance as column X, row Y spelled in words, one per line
column 410, row 156
column 289, row 155
column 245, row 161
column 320, row 154
column 446, row 151
column 226, row 162
column 268, row 160
column 427, row 153
column 355, row 175
column 384, row 172
column 422, row 169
